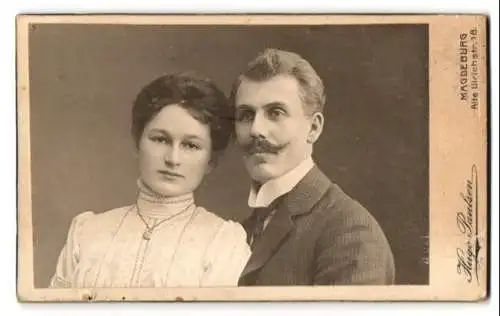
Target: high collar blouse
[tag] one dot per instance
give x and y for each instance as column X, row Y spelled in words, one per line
column 188, row 247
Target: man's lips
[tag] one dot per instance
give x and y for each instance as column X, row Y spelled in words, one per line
column 254, row 151
column 263, row 148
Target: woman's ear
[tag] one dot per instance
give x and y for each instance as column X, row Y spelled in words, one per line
column 135, row 149
column 210, row 167
column 211, row 164
column 136, row 152
column 317, row 123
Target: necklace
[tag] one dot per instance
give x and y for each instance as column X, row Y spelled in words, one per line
column 150, row 229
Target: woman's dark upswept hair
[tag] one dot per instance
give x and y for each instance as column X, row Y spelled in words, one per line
column 195, row 93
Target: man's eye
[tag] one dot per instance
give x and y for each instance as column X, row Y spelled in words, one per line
column 276, row 113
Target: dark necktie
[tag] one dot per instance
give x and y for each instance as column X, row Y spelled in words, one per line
column 257, row 221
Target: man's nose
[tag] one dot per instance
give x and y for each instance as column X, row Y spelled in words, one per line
column 259, row 126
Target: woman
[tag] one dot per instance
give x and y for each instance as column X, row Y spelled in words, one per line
column 180, row 125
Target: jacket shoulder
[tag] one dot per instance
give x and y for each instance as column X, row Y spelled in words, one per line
column 349, row 228
column 338, row 205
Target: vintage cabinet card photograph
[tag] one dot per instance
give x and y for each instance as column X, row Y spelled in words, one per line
column 252, row 158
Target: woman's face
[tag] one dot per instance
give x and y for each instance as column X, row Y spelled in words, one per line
column 174, row 152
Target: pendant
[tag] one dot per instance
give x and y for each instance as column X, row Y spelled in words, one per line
column 147, row 234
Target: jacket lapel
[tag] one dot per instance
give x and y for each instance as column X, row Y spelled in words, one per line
column 279, row 226
column 300, row 200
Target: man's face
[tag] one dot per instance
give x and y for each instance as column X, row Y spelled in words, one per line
column 272, row 127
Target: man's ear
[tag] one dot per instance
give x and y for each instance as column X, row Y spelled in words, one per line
column 317, row 123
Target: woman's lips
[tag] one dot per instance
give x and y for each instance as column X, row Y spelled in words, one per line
column 170, row 174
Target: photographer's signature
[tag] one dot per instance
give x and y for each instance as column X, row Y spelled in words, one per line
column 467, row 222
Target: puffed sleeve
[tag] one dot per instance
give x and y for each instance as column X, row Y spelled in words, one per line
column 226, row 256
column 68, row 257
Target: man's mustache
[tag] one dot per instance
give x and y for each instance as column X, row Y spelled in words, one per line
column 260, row 145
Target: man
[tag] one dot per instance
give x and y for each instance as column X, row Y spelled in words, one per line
column 304, row 229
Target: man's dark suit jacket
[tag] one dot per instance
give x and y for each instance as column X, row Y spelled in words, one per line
column 320, row 236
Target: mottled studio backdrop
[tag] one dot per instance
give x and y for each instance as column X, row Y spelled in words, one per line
column 83, row 79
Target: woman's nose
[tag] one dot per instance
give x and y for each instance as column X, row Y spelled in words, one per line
column 172, row 156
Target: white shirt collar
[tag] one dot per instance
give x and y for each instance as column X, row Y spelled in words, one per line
column 275, row 188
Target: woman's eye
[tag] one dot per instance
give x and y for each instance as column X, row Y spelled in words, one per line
column 192, row 146
column 159, row 139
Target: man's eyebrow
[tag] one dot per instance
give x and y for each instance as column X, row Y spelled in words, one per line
column 275, row 103
column 267, row 105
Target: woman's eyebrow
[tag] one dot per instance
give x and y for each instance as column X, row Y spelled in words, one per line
column 189, row 136
column 185, row 136
column 159, row 130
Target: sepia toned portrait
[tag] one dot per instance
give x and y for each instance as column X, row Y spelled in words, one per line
column 227, row 160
